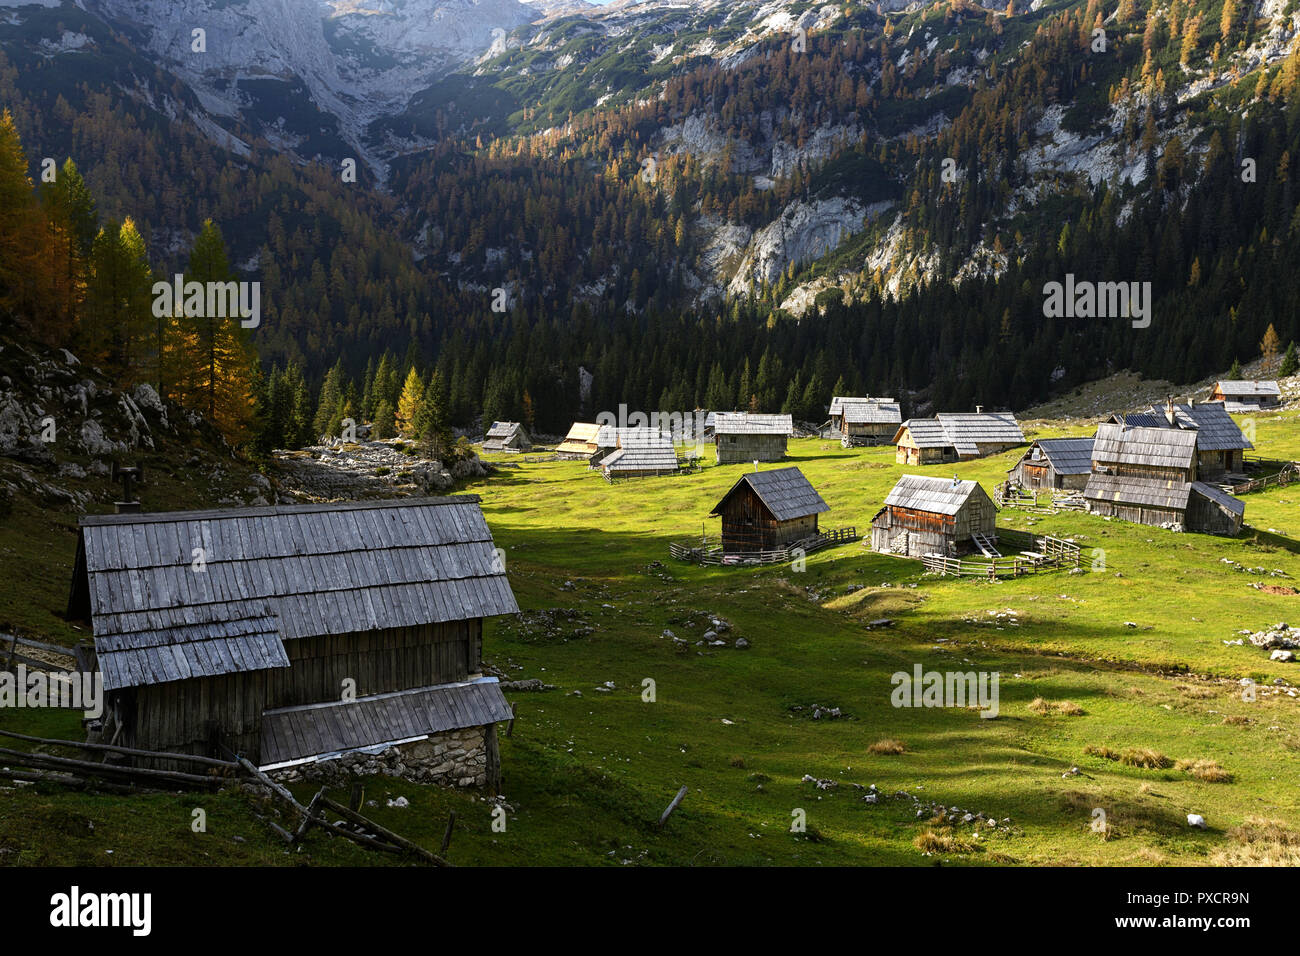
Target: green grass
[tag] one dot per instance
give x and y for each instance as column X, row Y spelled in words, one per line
column 587, row 774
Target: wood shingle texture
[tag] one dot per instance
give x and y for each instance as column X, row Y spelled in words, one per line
column 1144, row 446
column 1249, row 395
column 204, row 619
column 785, row 492
column 507, row 436
column 290, row 734
column 580, row 442
column 930, row 515
column 768, row 510
column 954, row 436
column 744, row 436
column 1052, row 463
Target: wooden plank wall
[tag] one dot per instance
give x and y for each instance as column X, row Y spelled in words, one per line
column 181, row 715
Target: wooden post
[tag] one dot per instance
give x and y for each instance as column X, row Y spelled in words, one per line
column 446, row 836
column 307, row 817
column 510, row 727
column 681, row 795
column 356, row 797
column 13, row 652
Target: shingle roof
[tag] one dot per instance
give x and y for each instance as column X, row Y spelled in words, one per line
column 313, row 569
column 981, row 428
column 1220, row 497
column 296, row 733
column 746, row 423
column 784, row 491
column 503, row 430
column 224, row 639
column 1159, row 447
column 839, row 402
column 1067, row 456
column 1249, row 387
column 965, row 431
column 611, row 436
column 926, row 433
column 872, row 413
column 1150, row 492
column 1214, row 427
column 580, row 440
column 928, row 493
column 659, row 457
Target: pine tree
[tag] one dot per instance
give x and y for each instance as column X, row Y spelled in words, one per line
column 1290, row 362
column 331, row 393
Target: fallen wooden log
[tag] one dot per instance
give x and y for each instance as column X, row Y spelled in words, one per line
column 68, row 780
column 280, row 831
column 51, row 762
column 681, row 795
column 284, row 794
column 389, row 835
column 129, row 751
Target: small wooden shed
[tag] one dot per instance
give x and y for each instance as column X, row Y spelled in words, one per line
column 930, row 515
column 956, row 436
column 580, row 443
column 293, row 634
column 1248, row 395
column 768, row 510
column 1054, row 463
column 864, row 421
column 746, row 437
column 641, row 453
column 507, row 436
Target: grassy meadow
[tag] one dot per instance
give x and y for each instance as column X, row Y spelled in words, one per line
column 1101, row 672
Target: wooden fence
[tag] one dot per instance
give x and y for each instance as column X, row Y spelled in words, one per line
column 1048, row 501
column 1289, row 472
column 11, row 657
column 1051, row 553
column 706, row 553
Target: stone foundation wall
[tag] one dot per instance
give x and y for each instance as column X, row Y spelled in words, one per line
column 456, row 758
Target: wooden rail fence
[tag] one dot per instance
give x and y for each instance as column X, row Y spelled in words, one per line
column 1052, row 553
column 1289, row 472
column 706, row 553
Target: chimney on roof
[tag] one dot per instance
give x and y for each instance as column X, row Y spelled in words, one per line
column 979, row 409
column 755, row 464
column 128, row 476
column 956, row 482
column 1169, row 410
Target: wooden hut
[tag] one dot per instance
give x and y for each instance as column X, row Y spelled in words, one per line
column 580, row 443
column 1053, row 464
column 1149, row 475
column 930, row 515
column 768, row 510
column 955, row 436
column 641, row 453
column 293, row 634
column 864, row 421
column 745, row 437
column 1253, row 395
column 507, row 436
column 1220, row 444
